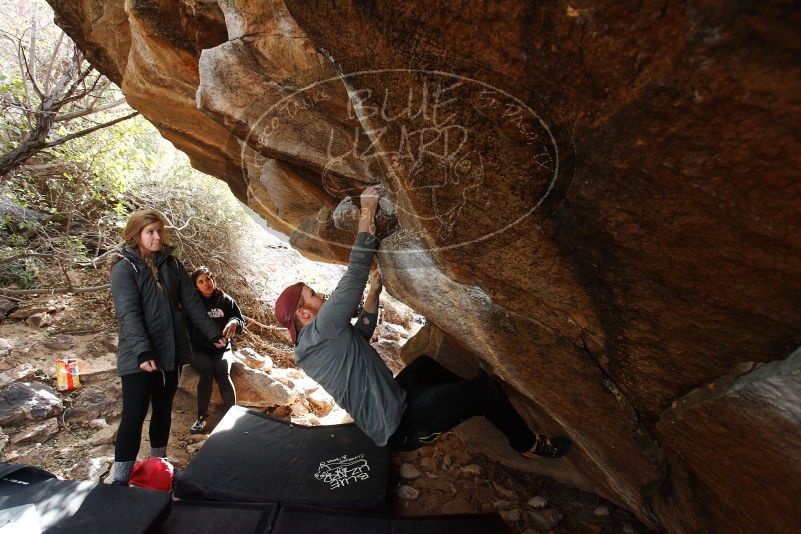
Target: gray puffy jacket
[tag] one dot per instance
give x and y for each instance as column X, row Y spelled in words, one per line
column 147, row 313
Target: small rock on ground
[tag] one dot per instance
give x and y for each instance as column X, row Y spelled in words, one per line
column 59, row 342
column 472, row 469
column 428, row 463
column 601, row 511
column 104, row 435
column 545, row 519
column 5, row 347
column 409, row 456
column 408, row 492
column 98, row 423
column 510, row 516
column 409, row 471
column 457, row 505
column 537, row 502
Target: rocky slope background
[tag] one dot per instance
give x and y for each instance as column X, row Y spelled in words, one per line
column 598, row 202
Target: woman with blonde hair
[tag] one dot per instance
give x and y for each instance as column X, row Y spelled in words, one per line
column 153, row 297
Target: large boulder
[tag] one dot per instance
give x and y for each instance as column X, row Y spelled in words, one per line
column 28, row 400
column 97, row 367
column 746, row 422
column 254, row 387
column 598, row 204
column 23, row 372
column 103, row 400
column 37, row 432
column 6, row 307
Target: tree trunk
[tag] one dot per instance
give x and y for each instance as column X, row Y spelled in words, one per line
column 33, row 142
column 19, row 155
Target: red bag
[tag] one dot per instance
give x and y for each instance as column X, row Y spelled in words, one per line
column 155, row 473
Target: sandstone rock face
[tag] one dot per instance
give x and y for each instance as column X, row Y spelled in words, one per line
column 598, row 204
column 754, row 415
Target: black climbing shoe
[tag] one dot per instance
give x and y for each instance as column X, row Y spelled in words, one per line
column 548, row 447
column 198, row 426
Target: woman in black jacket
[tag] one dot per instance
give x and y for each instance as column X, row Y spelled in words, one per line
column 211, row 361
column 152, row 293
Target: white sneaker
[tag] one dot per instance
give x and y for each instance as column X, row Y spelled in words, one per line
column 198, row 426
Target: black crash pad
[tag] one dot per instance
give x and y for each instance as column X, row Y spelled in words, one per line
column 254, row 458
column 203, row 517
column 295, row 519
column 67, row 506
column 17, row 477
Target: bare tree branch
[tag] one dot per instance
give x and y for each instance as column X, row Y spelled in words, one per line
column 27, row 69
column 52, row 61
column 184, row 226
column 53, row 290
column 98, row 259
column 262, row 326
column 27, row 107
column 88, row 111
column 105, row 82
column 12, row 259
column 32, row 50
column 87, row 131
column 68, row 96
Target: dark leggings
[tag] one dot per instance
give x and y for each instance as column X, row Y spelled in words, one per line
column 438, row 400
column 139, row 390
column 213, row 366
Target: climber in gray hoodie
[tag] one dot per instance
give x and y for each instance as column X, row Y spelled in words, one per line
column 425, row 399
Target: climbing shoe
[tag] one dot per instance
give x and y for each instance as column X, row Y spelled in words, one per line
column 548, row 447
column 198, row 426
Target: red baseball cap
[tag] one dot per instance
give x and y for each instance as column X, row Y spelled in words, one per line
column 285, row 308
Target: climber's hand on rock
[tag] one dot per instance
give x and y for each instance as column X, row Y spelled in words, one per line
column 376, row 283
column 369, row 198
column 369, row 202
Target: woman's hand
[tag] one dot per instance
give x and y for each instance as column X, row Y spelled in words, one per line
column 221, row 343
column 149, row 366
column 230, row 329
